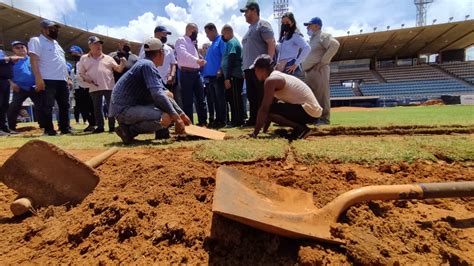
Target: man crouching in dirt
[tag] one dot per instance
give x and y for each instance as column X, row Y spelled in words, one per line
column 140, row 102
column 296, row 105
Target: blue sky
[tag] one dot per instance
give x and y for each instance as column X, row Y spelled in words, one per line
column 135, row 20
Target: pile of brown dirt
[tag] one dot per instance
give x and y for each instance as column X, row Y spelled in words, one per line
column 154, row 206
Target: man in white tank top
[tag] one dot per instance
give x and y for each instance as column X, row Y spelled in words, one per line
column 296, row 106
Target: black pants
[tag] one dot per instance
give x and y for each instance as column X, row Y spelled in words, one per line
column 17, row 102
column 84, row 105
column 292, row 112
column 254, row 93
column 234, row 98
column 55, row 90
column 4, row 99
column 97, row 101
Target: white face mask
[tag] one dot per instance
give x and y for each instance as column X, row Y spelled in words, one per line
column 310, row 32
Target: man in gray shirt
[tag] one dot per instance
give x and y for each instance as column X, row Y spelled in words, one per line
column 258, row 40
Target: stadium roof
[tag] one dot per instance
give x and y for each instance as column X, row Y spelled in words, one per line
column 16, row 24
column 408, row 42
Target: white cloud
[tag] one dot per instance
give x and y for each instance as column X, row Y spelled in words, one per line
column 51, row 9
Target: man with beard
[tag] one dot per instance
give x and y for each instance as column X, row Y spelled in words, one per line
column 124, row 51
column 189, row 65
column 49, row 67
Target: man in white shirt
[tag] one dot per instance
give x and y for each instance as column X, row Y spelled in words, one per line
column 50, row 70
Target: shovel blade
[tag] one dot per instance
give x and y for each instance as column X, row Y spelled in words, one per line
column 204, row 132
column 48, row 175
column 268, row 207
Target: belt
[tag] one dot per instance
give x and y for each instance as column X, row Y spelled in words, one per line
column 188, row 69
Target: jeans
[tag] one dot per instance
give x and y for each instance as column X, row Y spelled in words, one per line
column 97, row 101
column 193, row 92
column 141, row 119
column 17, row 102
column 4, row 99
column 217, row 94
column 55, row 90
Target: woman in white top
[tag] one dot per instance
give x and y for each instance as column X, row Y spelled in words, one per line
column 292, row 48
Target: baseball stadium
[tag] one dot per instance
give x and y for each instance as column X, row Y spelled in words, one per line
column 390, row 181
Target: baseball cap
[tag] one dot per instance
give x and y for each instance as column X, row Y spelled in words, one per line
column 48, row 23
column 162, row 29
column 94, row 39
column 152, row 44
column 251, row 4
column 314, row 20
column 18, row 42
column 75, row 49
column 263, row 61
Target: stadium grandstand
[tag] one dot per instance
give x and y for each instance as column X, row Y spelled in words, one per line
column 16, row 24
column 393, row 67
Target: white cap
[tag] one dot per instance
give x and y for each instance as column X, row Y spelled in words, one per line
column 153, row 44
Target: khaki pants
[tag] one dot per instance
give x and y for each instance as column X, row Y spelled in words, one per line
column 318, row 81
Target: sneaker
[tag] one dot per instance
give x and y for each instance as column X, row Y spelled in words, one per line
column 98, row 130
column 89, row 128
column 13, row 132
column 249, row 123
column 3, row 133
column 163, row 133
column 124, row 133
column 299, row 134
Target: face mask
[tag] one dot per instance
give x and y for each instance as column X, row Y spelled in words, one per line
column 285, row 27
column 164, row 39
column 76, row 57
column 126, row 49
column 193, row 36
column 224, row 39
column 53, row 34
column 310, row 32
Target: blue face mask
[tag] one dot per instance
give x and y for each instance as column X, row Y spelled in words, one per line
column 310, row 32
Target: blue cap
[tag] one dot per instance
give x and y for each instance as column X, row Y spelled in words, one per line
column 75, row 49
column 314, row 20
column 162, row 29
column 18, row 42
column 48, row 23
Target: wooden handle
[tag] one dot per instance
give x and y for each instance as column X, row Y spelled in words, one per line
column 21, row 206
column 97, row 160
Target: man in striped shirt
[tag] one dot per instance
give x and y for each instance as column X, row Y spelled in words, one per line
column 139, row 100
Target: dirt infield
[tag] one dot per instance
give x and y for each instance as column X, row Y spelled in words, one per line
column 154, row 206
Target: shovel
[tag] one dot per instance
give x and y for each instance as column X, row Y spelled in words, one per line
column 44, row 175
column 204, row 132
column 291, row 213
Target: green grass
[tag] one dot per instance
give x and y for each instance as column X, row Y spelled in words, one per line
column 388, row 149
column 330, row 148
column 419, row 115
column 242, row 150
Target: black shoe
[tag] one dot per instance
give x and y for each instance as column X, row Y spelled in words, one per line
column 51, row 132
column 201, row 125
column 217, row 124
column 249, row 123
column 98, row 130
column 64, row 132
column 89, row 128
column 123, row 132
column 163, row 133
column 111, row 129
column 323, row 122
column 300, row 134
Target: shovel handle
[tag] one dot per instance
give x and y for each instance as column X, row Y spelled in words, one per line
column 398, row 192
column 447, row 190
column 97, row 160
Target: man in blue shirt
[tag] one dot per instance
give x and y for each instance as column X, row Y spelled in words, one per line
column 6, row 73
column 212, row 72
column 22, row 83
column 140, row 102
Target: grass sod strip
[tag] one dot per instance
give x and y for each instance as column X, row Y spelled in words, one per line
column 388, row 149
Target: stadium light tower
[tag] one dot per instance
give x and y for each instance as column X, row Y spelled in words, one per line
column 421, row 8
column 280, row 7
